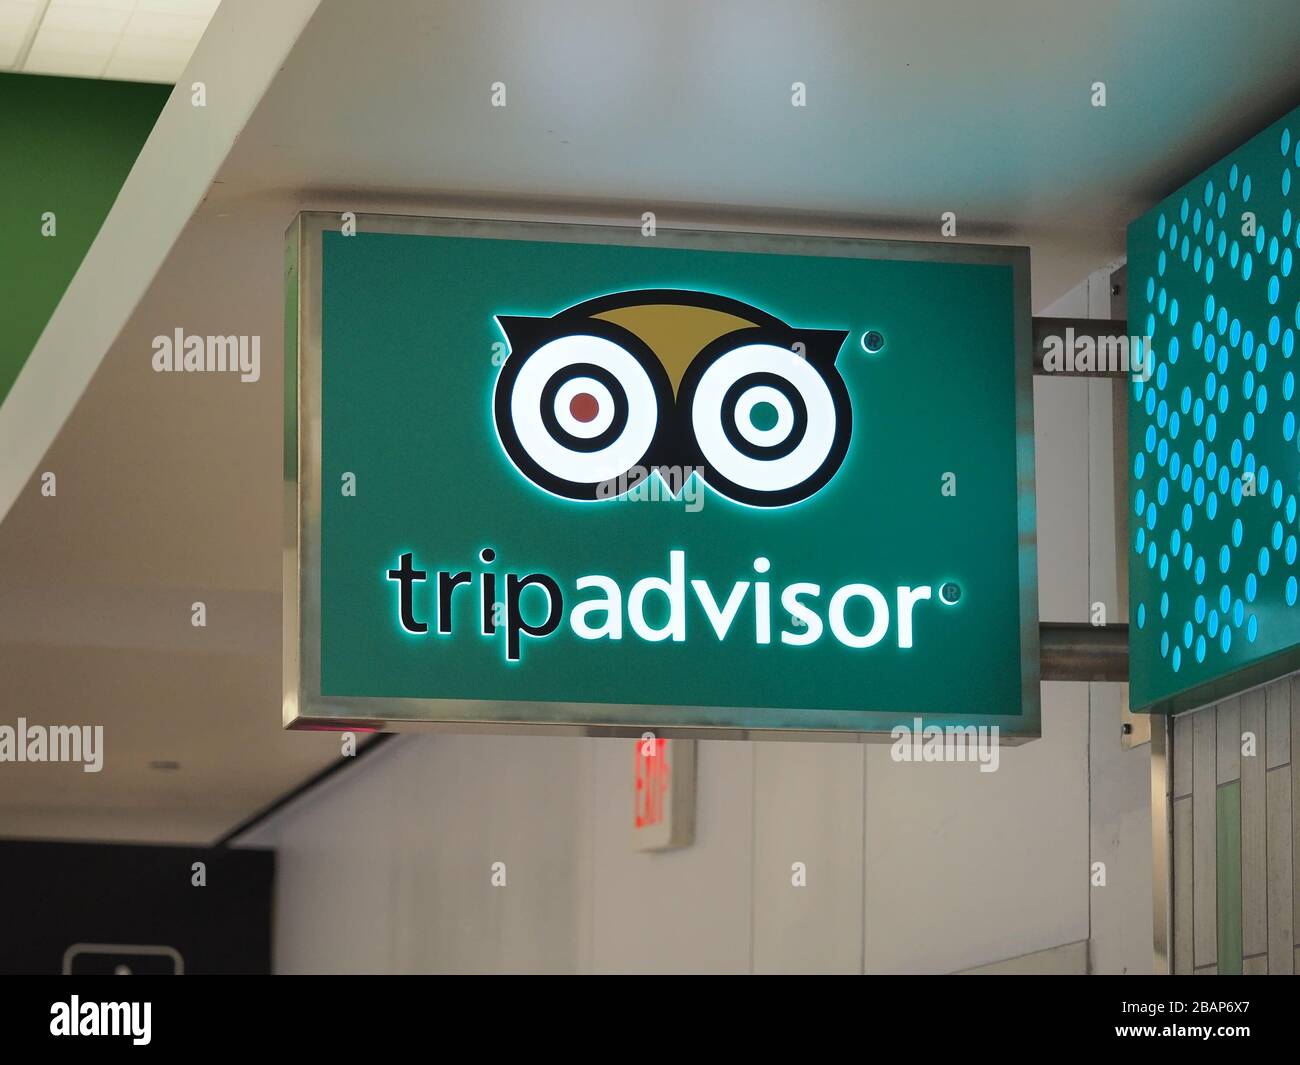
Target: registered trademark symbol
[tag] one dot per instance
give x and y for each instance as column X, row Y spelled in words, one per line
column 872, row 342
column 950, row 593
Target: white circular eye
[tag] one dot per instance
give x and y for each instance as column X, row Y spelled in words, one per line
column 764, row 418
column 583, row 409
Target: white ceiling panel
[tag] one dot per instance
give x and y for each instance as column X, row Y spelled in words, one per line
column 123, row 40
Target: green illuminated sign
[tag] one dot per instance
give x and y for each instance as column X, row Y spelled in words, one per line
column 570, row 476
column 1213, row 445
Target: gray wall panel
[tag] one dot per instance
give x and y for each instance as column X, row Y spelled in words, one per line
column 1254, row 850
column 1183, row 755
column 1281, row 941
column 1278, row 701
column 1183, row 885
column 1228, row 714
column 1204, row 868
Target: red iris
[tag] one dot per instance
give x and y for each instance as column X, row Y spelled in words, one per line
column 584, row 407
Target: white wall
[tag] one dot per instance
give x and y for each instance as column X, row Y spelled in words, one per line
column 911, row 868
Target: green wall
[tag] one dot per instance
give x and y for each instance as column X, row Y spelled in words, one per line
column 68, row 144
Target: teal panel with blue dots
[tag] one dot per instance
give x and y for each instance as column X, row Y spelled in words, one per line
column 1214, row 452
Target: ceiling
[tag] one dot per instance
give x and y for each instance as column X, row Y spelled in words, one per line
column 123, row 40
column 169, row 485
column 912, row 109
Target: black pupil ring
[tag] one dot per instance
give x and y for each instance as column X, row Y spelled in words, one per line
column 618, row 395
column 731, row 429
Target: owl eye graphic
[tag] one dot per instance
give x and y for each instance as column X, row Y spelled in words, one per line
column 612, row 388
column 578, row 408
column 765, row 420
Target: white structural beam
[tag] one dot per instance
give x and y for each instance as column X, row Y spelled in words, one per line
column 241, row 52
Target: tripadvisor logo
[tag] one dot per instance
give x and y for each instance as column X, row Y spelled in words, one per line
column 612, row 390
column 654, row 608
column 592, row 400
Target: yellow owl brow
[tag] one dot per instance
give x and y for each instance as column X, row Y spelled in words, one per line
column 675, row 332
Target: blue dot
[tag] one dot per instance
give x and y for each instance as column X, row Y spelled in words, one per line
column 1252, row 628
column 1141, row 615
column 1200, row 648
column 1226, row 639
column 1291, row 590
column 1263, row 561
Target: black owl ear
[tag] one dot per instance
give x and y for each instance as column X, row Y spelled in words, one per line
column 822, row 346
column 523, row 331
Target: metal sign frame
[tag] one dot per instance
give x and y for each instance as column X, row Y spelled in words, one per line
column 304, row 707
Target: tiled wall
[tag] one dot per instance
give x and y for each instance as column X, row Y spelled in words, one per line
column 1236, row 834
